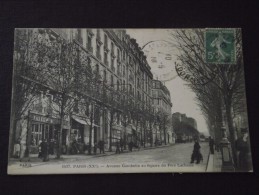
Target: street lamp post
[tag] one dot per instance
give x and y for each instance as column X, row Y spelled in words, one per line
column 227, row 162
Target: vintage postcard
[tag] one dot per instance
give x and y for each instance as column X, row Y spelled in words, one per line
column 128, row 101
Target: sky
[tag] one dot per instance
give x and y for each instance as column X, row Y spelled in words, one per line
column 182, row 97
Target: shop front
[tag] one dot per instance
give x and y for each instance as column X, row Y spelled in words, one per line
column 44, row 128
column 80, row 133
column 117, row 134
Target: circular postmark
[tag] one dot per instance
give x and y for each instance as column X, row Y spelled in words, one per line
column 160, row 57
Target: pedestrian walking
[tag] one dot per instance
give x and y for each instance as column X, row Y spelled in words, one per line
column 130, row 145
column 242, row 145
column 101, row 146
column 211, row 144
column 75, row 149
column 196, row 155
column 45, row 150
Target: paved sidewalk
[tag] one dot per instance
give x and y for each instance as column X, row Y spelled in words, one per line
column 75, row 157
column 214, row 162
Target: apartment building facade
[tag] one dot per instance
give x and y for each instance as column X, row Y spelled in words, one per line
column 119, row 67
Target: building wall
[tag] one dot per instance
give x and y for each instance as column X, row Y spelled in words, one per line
column 163, row 106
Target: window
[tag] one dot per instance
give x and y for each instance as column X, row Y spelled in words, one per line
column 106, row 58
column 89, row 40
column 97, row 68
column 124, row 71
column 118, row 85
column 112, row 84
column 98, row 34
column 118, row 55
column 98, row 51
column 124, row 84
column 112, row 47
column 105, row 41
column 130, row 88
column 104, row 76
column 118, row 118
column 123, row 55
column 87, row 109
column 112, row 64
column 79, row 36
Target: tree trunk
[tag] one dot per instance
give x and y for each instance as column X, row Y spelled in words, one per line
column 231, row 129
column 59, row 151
column 110, row 136
column 141, row 136
column 164, row 132
column 90, row 130
column 151, row 135
column 144, row 142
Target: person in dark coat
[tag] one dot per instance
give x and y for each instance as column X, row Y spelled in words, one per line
column 130, row 146
column 95, row 148
column 121, row 144
column 117, row 148
column 101, row 146
column 196, row 155
column 243, row 146
column 45, row 150
column 211, row 144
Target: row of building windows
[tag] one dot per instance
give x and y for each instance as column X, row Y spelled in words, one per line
column 124, row 71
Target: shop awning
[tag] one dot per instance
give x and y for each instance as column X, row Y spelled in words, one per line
column 81, row 121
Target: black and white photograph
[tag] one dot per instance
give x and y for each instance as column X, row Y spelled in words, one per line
column 135, row 100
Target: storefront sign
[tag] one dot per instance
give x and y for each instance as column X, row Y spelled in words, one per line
column 44, row 119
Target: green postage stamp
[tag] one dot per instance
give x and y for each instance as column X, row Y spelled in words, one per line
column 220, row 46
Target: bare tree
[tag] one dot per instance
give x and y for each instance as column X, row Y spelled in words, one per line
column 162, row 120
column 31, row 57
column 192, row 67
column 209, row 99
column 63, row 80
